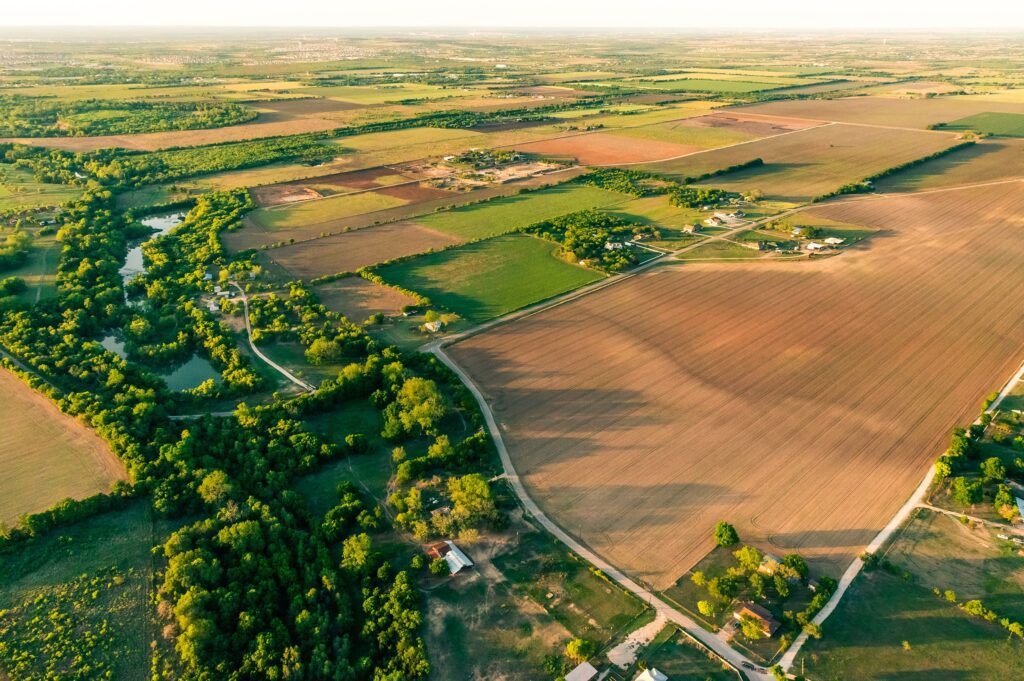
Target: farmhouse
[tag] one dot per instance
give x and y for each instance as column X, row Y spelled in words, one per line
column 453, row 555
column 613, row 246
column 651, row 674
column 815, row 246
column 714, row 221
column 691, row 229
column 768, row 623
column 834, row 241
column 584, row 672
column 433, row 327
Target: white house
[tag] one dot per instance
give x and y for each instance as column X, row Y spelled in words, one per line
column 456, row 558
column 651, row 674
column 584, row 672
column 434, row 326
column 613, row 246
column 815, row 246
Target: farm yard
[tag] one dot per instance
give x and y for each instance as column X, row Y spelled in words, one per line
column 46, row 456
column 805, row 164
column 740, row 363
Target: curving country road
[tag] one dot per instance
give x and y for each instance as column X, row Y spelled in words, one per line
column 271, row 363
column 713, row 641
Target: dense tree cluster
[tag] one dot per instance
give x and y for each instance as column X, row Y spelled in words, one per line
column 14, row 249
column 27, row 116
column 596, row 237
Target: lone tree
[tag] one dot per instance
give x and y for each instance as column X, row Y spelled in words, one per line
column 579, row 650
column 725, row 534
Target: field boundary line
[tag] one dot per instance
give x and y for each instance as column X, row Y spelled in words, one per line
column 727, row 654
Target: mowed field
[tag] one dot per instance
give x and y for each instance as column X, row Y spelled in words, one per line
column 602, row 148
column 358, row 298
column 488, row 278
column 807, row 163
column 46, row 456
column 802, row 401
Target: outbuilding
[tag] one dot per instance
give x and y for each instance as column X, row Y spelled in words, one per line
column 583, row 672
column 452, row 554
column 651, row 674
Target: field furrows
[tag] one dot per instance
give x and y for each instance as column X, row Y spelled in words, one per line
column 794, row 399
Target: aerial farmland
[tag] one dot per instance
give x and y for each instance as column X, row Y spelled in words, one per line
column 494, row 354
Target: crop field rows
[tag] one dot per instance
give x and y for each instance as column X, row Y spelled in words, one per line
column 801, row 401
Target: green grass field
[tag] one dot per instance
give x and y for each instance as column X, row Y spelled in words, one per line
column 993, row 123
column 90, row 580
column 513, row 212
column 317, row 211
column 720, row 250
column 488, row 278
column 864, row 638
column 19, row 190
column 674, row 655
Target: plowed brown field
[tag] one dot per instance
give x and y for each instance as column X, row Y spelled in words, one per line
column 349, row 251
column 802, row 401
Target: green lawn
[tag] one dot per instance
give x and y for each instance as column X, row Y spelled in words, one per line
column 1005, row 124
column 67, row 587
column 488, row 278
column 19, row 190
column 318, row 211
column 864, row 638
column 513, row 212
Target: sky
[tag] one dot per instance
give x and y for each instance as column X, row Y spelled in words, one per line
column 608, row 14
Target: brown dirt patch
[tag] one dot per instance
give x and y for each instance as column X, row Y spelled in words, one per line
column 416, row 193
column 277, row 194
column 349, row 251
column 601, row 148
column 803, row 402
column 358, row 299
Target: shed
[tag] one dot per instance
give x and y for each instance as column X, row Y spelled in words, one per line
column 691, row 229
column 815, row 246
column 769, row 564
column 583, row 672
column 651, row 674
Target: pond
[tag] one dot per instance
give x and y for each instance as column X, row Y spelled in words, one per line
column 183, row 377
column 133, row 263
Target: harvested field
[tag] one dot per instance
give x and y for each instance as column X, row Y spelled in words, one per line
column 601, row 148
column 983, row 162
column 889, row 111
column 802, row 401
column 808, row 163
column 349, row 251
column 46, row 456
column 321, row 211
column 358, row 299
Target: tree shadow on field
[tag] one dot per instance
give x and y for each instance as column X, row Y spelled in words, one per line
column 824, row 539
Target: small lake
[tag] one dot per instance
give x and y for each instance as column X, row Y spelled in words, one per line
column 183, row 377
column 133, row 264
column 197, row 369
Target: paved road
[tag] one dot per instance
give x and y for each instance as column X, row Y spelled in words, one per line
column 271, row 363
column 663, row 609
